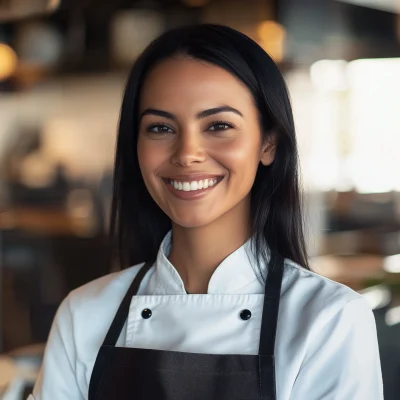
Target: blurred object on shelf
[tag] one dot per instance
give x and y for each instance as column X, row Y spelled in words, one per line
column 379, row 241
column 132, row 31
column 25, row 363
column 359, row 211
column 81, row 209
column 40, row 221
column 7, row 372
column 344, row 243
column 351, row 270
column 38, row 44
column 19, row 9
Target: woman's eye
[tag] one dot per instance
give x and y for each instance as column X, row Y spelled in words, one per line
column 220, row 126
column 159, row 129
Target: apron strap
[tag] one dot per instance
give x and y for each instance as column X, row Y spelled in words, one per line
column 123, row 310
column 268, row 329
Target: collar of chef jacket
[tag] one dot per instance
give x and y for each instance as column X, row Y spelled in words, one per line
column 236, row 273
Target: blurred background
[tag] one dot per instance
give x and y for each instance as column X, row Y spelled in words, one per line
column 63, row 66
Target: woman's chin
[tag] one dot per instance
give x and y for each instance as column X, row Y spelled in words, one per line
column 191, row 221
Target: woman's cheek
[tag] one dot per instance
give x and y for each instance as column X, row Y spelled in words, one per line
column 237, row 155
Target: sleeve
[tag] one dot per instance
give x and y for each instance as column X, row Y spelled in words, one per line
column 342, row 360
column 57, row 378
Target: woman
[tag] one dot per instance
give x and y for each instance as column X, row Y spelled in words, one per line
column 207, row 209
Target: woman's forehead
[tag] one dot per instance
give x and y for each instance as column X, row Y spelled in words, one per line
column 185, row 82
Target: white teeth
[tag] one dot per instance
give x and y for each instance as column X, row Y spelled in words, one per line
column 193, row 185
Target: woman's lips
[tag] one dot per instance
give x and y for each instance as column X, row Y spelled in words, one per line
column 192, row 188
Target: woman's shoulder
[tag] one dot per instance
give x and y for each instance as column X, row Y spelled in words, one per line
column 78, row 330
column 315, row 284
column 102, row 293
column 319, row 299
column 334, row 333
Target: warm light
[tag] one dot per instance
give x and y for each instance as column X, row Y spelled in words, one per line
column 270, row 30
column 80, row 203
column 21, row 9
column 391, row 264
column 377, row 296
column 329, row 74
column 8, row 61
column 374, row 120
column 80, row 210
column 52, row 5
column 36, row 171
column 271, row 38
column 392, row 316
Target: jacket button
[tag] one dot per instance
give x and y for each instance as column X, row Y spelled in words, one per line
column 245, row 315
column 146, row 313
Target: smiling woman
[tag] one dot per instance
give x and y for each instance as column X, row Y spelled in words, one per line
column 207, row 202
column 208, row 134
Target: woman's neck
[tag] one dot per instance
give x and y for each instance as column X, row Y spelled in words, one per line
column 197, row 252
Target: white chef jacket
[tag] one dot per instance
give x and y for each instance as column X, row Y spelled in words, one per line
column 326, row 344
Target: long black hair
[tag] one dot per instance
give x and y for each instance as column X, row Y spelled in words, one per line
column 138, row 225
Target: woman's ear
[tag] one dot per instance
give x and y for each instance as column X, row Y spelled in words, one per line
column 268, row 150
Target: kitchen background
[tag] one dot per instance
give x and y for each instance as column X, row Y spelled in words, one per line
column 63, row 66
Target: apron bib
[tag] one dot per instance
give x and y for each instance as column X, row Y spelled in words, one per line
column 123, row 373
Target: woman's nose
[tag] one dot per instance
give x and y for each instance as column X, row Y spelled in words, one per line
column 189, row 150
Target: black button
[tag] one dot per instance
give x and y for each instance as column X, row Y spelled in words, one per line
column 146, row 313
column 245, row 314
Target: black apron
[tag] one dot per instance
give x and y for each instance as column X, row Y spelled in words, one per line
column 123, row 373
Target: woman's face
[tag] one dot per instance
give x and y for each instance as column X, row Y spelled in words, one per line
column 199, row 141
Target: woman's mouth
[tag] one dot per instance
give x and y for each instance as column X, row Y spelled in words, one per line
column 189, row 188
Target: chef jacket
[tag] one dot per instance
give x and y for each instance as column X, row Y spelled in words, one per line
column 326, row 343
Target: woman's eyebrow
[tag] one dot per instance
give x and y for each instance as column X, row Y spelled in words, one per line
column 200, row 115
column 217, row 110
column 158, row 113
